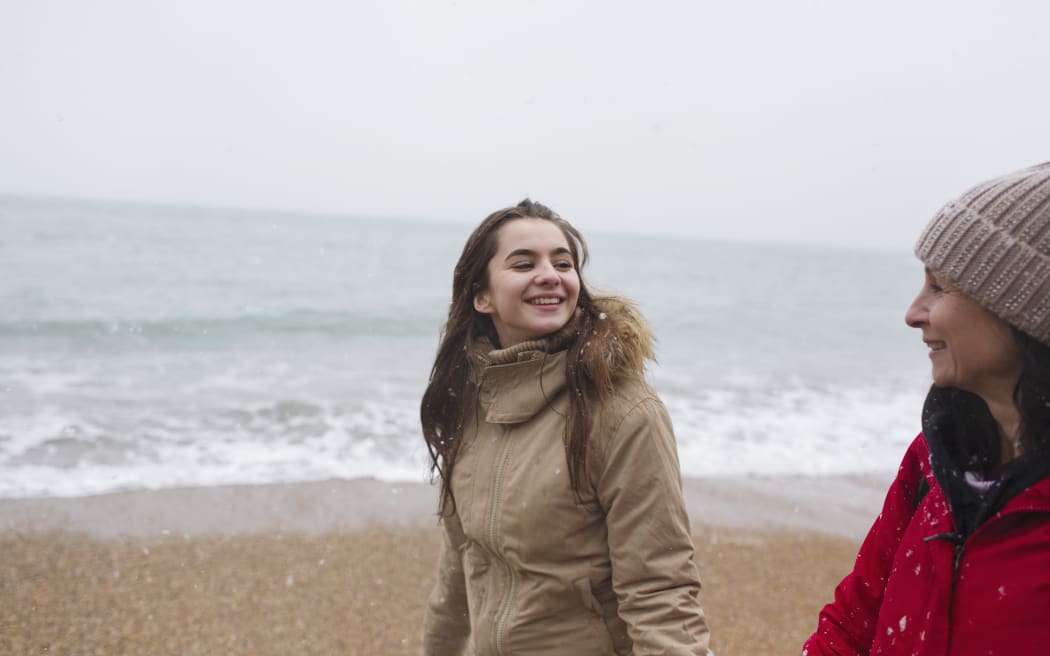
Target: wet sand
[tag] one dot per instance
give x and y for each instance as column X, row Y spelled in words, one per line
column 344, row 567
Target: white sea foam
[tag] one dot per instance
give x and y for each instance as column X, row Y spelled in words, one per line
column 719, row 432
column 794, row 431
column 265, row 445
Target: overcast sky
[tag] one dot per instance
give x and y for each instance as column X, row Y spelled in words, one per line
column 821, row 121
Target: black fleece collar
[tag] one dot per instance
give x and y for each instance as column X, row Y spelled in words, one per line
column 969, row 508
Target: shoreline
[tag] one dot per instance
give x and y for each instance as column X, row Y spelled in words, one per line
column 837, row 506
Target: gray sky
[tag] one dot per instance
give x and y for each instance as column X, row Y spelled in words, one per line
column 822, row 121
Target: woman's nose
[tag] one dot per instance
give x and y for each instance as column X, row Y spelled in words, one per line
column 546, row 274
column 917, row 312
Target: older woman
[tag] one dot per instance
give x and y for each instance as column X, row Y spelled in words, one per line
column 958, row 562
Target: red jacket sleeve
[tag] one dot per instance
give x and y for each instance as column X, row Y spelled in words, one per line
column 846, row 626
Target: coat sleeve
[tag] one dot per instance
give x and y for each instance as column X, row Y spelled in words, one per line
column 446, row 623
column 846, row 626
column 655, row 579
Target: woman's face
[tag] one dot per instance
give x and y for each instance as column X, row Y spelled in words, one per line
column 533, row 285
column 970, row 348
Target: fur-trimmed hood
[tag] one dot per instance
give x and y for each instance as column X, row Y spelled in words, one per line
column 517, row 382
column 630, row 342
column 616, row 325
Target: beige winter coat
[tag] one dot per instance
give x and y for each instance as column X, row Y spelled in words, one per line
column 528, row 569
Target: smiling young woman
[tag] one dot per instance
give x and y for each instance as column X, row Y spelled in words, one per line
column 564, row 523
column 533, row 285
column 957, row 562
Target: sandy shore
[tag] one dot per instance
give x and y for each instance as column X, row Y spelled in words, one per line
column 344, row 567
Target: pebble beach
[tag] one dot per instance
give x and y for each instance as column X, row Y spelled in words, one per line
column 345, row 567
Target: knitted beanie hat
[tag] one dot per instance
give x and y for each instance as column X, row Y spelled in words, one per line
column 993, row 243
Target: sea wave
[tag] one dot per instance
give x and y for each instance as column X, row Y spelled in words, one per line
column 389, row 324
column 794, row 429
column 49, row 454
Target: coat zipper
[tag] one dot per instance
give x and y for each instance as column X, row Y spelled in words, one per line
column 497, row 504
column 960, row 550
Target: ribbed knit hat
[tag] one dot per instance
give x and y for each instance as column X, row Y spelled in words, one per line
column 993, row 243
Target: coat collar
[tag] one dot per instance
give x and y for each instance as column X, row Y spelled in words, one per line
column 514, row 392
column 517, row 382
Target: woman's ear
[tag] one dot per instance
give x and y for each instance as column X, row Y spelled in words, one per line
column 483, row 302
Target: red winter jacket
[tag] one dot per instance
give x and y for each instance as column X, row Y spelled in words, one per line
column 912, row 596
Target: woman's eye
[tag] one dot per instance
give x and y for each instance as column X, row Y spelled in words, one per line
column 521, row 266
column 564, row 266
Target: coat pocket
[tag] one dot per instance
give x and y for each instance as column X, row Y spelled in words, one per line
column 476, row 566
column 586, row 594
column 601, row 600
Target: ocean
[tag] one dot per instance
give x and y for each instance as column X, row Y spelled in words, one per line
column 146, row 347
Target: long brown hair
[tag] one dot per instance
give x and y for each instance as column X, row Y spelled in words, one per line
column 451, row 394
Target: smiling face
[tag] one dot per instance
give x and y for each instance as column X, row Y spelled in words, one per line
column 970, row 348
column 533, row 285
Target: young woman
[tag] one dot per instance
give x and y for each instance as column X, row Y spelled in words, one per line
column 959, row 560
column 565, row 528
